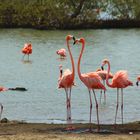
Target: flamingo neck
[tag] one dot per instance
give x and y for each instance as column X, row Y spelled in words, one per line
column 79, row 60
column 107, row 77
column 72, row 61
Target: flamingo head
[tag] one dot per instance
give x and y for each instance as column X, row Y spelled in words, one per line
column 69, row 37
column 105, row 61
column 81, row 40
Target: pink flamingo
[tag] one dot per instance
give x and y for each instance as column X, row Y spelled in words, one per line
column 138, row 79
column 119, row 81
column 27, row 50
column 91, row 80
column 66, row 81
column 61, row 52
column 102, row 74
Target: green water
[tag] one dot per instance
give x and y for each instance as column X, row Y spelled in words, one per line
column 43, row 102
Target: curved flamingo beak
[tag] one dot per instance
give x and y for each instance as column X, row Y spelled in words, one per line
column 74, row 39
column 137, row 83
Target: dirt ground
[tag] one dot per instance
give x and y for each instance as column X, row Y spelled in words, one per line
column 14, row 130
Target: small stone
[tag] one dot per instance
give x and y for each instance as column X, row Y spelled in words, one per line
column 130, row 133
column 4, row 120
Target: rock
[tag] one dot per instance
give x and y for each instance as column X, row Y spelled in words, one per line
column 4, row 120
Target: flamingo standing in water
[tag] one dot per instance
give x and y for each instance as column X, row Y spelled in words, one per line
column 66, row 81
column 27, row 50
column 102, row 74
column 119, row 81
column 138, row 79
column 61, row 52
column 91, row 80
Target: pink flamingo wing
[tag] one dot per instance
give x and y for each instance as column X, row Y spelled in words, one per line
column 66, row 79
column 120, row 79
column 93, row 80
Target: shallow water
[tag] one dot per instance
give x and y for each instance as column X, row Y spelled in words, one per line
column 43, row 102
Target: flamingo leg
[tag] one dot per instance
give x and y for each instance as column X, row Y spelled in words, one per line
column 117, row 106
column 122, row 105
column 97, row 112
column 104, row 92
column 28, row 57
column 23, row 56
column 90, row 109
column 69, row 105
column 66, row 91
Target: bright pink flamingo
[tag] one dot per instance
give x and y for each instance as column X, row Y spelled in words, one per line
column 119, row 81
column 102, row 74
column 138, row 79
column 27, row 50
column 61, row 52
column 91, row 80
column 66, row 81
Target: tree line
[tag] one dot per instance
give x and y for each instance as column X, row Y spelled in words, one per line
column 67, row 14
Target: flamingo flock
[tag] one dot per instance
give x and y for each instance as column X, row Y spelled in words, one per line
column 93, row 81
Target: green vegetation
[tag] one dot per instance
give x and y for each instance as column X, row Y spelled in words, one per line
column 53, row 14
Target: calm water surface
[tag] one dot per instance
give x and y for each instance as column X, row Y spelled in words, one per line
column 43, row 102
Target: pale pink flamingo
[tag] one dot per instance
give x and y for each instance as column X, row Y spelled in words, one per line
column 66, row 81
column 61, row 52
column 138, row 79
column 119, row 81
column 27, row 50
column 102, row 74
column 92, row 81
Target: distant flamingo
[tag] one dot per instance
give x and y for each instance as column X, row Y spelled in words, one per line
column 91, row 80
column 119, row 81
column 138, row 79
column 27, row 50
column 102, row 74
column 61, row 52
column 66, row 81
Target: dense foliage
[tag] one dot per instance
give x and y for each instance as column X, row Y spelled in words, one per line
column 63, row 14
